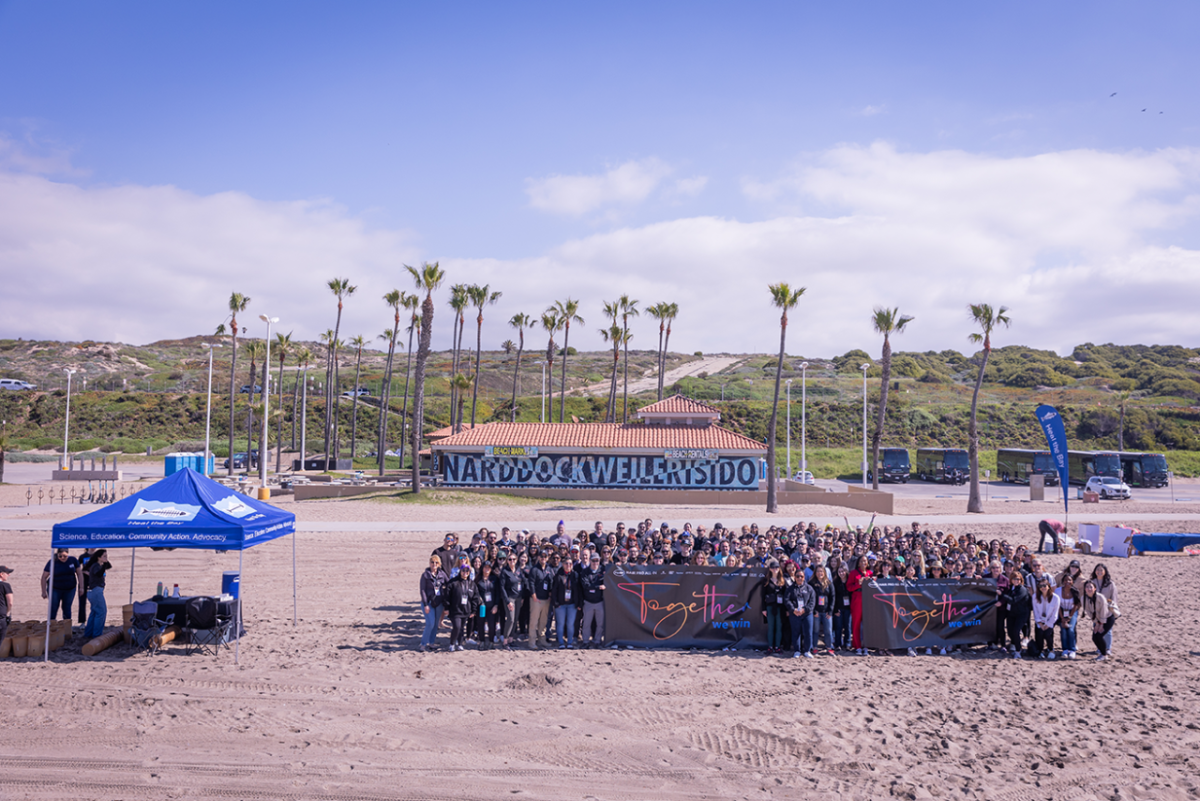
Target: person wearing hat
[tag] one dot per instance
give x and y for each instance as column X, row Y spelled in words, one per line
column 68, row 582
column 541, row 576
column 591, row 586
column 6, row 600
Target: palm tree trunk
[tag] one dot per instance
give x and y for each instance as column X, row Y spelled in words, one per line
column 550, row 370
column 385, row 399
column 625, row 403
column 666, row 349
column 612, row 387
column 478, row 351
column 354, row 414
column 661, row 360
column 404, row 408
column 562, row 398
column 974, row 501
column 883, row 393
column 2, row 454
column 232, row 393
column 335, row 394
column 250, row 418
column 295, row 399
column 328, row 404
column 517, row 373
column 772, row 501
column 419, row 389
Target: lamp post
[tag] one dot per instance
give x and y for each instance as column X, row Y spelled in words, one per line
column 266, row 399
column 722, row 392
column 789, row 428
column 67, row 424
column 803, row 415
column 208, row 406
column 865, row 367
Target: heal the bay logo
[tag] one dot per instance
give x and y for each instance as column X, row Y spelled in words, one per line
column 164, row 511
column 233, row 506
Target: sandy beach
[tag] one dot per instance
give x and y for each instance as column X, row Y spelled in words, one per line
column 342, row 706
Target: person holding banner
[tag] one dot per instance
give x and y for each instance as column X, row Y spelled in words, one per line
column 774, row 590
column 1019, row 604
column 799, row 601
column 996, row 574
column 1095, row 606
column 854, row 584
column 1046, row 606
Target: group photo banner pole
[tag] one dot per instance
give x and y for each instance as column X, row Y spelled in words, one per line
column 929, row 613
column 682, row 606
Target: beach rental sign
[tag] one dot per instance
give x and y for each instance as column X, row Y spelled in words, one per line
column 1056, row 438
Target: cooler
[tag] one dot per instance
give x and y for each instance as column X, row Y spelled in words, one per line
column 230, row 583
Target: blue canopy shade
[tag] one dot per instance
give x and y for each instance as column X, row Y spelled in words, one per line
column 184, row 510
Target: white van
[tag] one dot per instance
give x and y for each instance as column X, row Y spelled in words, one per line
column 13, row 383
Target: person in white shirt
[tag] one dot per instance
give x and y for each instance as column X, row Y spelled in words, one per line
column 1045, row 617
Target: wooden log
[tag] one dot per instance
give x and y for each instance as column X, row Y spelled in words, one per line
column 98, row 644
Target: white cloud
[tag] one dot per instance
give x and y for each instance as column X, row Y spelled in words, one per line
column 34, row 156
column 871, row 111
column 690, row 187
column 576, row 195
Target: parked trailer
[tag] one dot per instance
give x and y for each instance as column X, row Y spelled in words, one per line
column 1085, row 464
column 1144, row 469
column 1016, row 465
column 893, row 466
column 943, row 465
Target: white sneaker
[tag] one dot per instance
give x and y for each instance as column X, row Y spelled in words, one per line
column 1050, row 656
column 1101, row 658
column 1072, row 656
column 942, row 652
column 928, row 652
column 912, row 652
column 808, row 655
column 796, row 655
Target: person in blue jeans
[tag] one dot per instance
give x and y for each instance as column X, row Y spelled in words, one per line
column 799, row 603
column 566, row 597
column 823, row 607
column 98, row 565
column 1068, row 614
column 433, row 586
column 841, row 607
column 68, row 582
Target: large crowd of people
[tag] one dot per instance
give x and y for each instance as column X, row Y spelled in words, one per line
column 507, row 589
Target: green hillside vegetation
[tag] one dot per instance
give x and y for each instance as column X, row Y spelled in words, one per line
column 153, row 397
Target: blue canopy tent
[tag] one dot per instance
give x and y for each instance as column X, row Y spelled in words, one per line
column 184, row 510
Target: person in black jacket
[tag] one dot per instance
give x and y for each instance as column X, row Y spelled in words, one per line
column 512, row 588
column 540, row 579
column 591, row 587
column 566, row 596
column 433, row 584
column 799, row 600
column 462, row 601
column 841, row 609
column 98, row 565
column 1020, row 606
column 822, row 607
column 489, row 593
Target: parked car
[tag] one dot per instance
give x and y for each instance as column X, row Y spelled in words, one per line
column 15, row 383
column 239, row 461
column 245, row 390
column 1107, row 487
column 804, row 477
column 362, row 391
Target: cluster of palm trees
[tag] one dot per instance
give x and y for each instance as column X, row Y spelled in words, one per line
column 887, row 322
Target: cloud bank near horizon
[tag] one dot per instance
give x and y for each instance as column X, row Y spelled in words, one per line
column 1082, row 245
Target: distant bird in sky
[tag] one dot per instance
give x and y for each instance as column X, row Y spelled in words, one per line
column 1114, row 94
column 1143, row 109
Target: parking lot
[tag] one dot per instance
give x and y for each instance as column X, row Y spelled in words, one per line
column 1183, row 489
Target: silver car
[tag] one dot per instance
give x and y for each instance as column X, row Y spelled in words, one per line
column 1107, row 487
column 13, row 383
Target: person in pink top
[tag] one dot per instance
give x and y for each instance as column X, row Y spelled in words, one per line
column 1051, row 529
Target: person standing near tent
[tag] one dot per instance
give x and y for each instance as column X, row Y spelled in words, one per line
column 98, row 565
column 6, row 600
column 68, row 582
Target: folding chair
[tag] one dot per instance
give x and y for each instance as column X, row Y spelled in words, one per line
column 207, row 629
column 146, row 629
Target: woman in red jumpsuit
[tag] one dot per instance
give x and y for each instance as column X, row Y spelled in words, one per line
column 854, row 582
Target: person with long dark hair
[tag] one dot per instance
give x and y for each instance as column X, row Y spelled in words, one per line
column 774, row 589
column 1046, row 605
column 854, row 584
column 1095, row 606
column 98, row 565
column 799, row 601
column 489, row 606
column 1019, row 605
column 433, row 585
column 841, row 606
column 462, row 602
column 996, row 574
column 823, row 608
column 1068, row 614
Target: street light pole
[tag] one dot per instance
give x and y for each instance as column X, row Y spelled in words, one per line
column 208, row 407
column 266, row 399
column 865, row 367
column 803, row 415
column 789, row 428
column 67, row 424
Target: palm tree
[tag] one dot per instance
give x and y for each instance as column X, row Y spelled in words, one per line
column 568, row 310
column 783, row 297
column 427, row 279
column 987, row 319
column 659, row 312
column 462, row 383
column 550, row 323
column 1122, row 397
column 612, row 334
column 358, row 342
column 255, row 350
column 237, row 304
column 283, row 343
column 672, row 313
column 628, row 309
column 341, row 289
column 327, row 340
column 460, row 298
column 395, row 299
column 519, row 321
column 480, row 296
column 886, row 322
column 303, row 357
column 411, row 302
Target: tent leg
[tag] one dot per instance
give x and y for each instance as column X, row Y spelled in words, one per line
column 294, row 617
column 132, row 560
column 241, row 599
column 49, row 603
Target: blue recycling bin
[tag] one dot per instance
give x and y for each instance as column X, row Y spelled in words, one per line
column 230, row 583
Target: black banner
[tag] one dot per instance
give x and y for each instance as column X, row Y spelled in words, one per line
column 930, row 613
column 680, row 606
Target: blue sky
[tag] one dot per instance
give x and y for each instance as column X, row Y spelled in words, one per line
column 691, row 152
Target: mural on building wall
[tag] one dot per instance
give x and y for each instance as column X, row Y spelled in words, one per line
column 601, row 472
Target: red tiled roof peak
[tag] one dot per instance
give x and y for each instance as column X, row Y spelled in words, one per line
column 678, row 405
